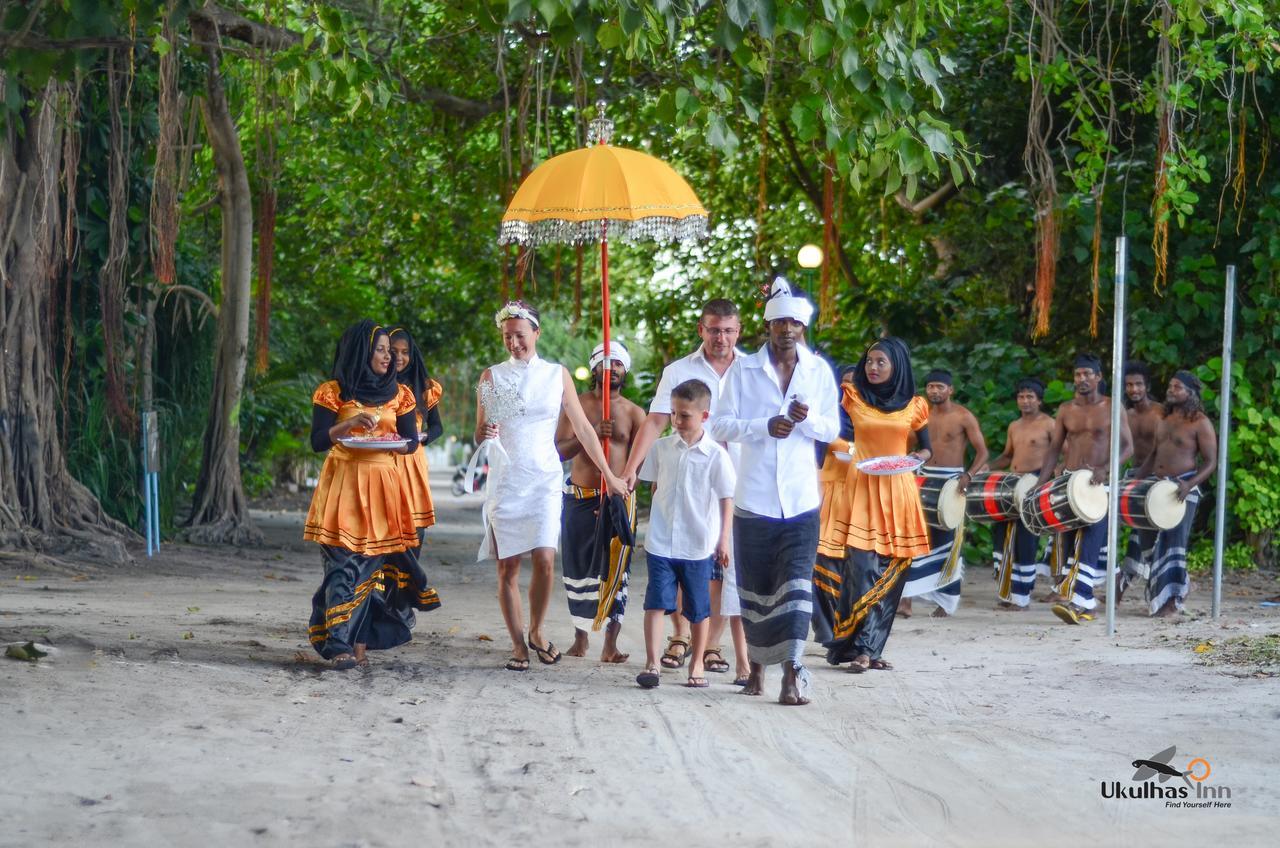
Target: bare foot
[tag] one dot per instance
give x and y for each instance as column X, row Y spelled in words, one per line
column 1052, row 598
column 939, row 613
column 904, row 608
column 579, row 646
column 860, row 663
column 612, row 656
column 755, row 681
column 1005, row 606
column 1169, row 610
column 790, row 695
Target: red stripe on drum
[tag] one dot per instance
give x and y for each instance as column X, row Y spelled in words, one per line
column 1051, row 521
column 989, row 501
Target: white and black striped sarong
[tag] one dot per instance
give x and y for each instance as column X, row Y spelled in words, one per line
column 774, row 559
column 938, row 575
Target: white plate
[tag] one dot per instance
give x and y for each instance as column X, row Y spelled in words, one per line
column 916, row 462
column 372, row 444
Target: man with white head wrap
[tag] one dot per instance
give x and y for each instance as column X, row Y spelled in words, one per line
column 776, row 404
column 597, row 600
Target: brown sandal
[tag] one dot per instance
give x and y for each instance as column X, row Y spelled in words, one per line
column 670, row 659
column 713, row 660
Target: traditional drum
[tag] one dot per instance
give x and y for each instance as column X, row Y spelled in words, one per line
column 942, row 502
column 1065, row 503
column 995, row 496
column 1151, row 504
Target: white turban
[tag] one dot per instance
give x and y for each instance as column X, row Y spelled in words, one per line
column 617, row 352
column 783, row 304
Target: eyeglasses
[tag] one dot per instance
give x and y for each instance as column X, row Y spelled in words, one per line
column 716, row 332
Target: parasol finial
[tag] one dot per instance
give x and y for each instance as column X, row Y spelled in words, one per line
column 600, row 129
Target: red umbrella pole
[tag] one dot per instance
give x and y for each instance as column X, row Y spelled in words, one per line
column 607, row 375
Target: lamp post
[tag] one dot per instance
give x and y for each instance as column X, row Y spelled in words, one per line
column 810, row 258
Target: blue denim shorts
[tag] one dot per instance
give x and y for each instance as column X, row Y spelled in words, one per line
column 691, row 575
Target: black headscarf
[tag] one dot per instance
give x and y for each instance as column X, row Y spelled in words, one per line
column 356, row 380
column 415, row 373
column 897, row 392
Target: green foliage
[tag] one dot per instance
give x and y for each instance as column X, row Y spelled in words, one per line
column 1237, row 557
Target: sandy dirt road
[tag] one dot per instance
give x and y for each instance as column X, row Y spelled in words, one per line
column 183, row 706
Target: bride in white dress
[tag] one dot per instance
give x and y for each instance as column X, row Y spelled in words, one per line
column 518, row 405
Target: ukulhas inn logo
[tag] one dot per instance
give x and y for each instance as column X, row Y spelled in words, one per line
column 1163, row 777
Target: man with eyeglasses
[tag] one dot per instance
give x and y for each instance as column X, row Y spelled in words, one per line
column 718, row 328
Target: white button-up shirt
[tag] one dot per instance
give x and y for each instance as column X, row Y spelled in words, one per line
column 684, row 521
column 778, row 477
column 694, row 367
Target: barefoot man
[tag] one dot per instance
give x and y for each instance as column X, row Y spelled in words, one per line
column 1082, row 433
column 1016, row 547
column 938, row 575
column 593, row 601
column 1186, row 450
column 1144, row 419
column 718, row 328
column 777, row 403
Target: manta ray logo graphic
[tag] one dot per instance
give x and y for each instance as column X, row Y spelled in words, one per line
column 1160, row 776
column 1158, row 764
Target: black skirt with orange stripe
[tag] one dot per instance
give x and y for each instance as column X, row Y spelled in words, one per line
column 366, row 601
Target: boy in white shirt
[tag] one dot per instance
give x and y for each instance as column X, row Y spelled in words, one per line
column 689, row 526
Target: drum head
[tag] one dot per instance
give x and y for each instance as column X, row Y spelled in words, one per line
column 951, row 505
column 1026, row 483
column 1163, row 507
column 1087, row 501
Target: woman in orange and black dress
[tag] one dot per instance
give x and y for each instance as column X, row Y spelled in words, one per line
column 411, row 372
column 881, row 524
column 360, row 512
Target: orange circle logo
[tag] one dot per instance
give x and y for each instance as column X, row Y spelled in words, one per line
column 1191, row 770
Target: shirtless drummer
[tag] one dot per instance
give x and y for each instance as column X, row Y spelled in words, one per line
column 1145, row 414
column 1082, row 433
column 1025, row 448
column 1186, row 450
column 953, row 429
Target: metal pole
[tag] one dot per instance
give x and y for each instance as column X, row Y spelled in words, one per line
column 155, row 508
column 146, row 487
column 1224, row 428
column 1117, row 409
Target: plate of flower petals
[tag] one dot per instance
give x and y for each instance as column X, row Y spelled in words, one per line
column 884, row 466
column 373, row 442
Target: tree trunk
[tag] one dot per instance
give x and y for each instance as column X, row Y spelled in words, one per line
column 41, row 504
column 220, row 511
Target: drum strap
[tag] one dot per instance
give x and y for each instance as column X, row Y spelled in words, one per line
column 1069, row 581
column 896, row 570
column 949, row 568
column 1005, row 592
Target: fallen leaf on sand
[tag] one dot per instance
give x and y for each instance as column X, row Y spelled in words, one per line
column 423, row 781
column 28, row 652
column 193, row 609
column 189, row 635
column 485, row 637
column 1204, row 647
column 454, row 629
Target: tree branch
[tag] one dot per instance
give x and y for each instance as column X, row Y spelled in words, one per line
column 237, row 26
column 925, row 204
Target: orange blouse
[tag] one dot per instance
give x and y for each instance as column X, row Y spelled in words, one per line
column 413, row 470
column 880, row 513
column 360, row 502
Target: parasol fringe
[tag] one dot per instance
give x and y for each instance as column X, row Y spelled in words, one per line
column 560, row 231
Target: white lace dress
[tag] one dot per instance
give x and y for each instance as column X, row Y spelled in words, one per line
column 523, row 493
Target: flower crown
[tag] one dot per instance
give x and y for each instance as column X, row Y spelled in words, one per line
column 515, row 309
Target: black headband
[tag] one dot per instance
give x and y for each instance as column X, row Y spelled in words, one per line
column 1191, row 381
column 1030, row 384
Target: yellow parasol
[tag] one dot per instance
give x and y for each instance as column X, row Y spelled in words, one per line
column 600, row 192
